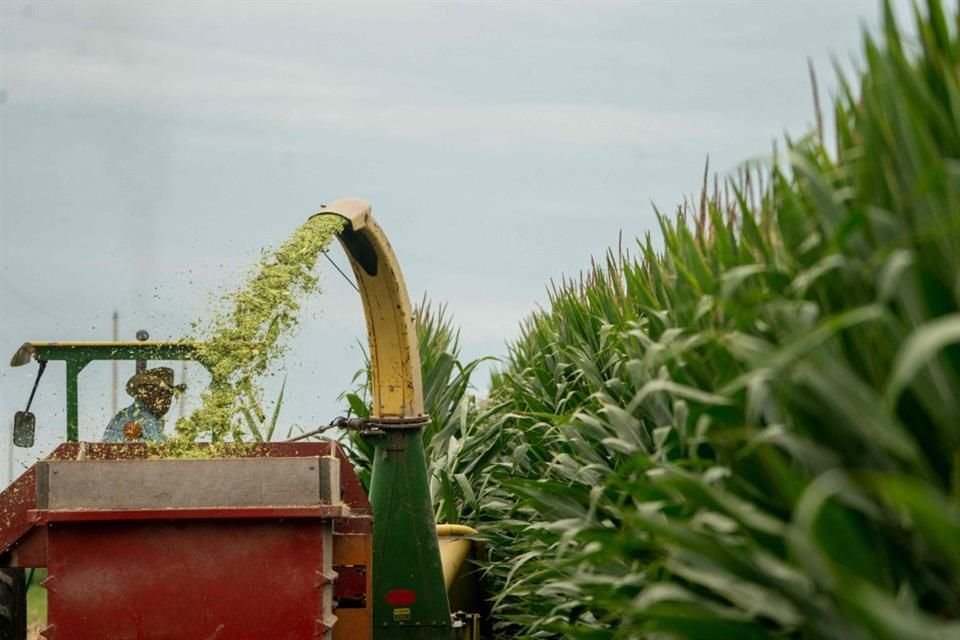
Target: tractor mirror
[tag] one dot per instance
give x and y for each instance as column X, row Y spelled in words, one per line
column 24, row 428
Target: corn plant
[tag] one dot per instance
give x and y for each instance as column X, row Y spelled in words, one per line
column 254, row 418
column 752, row 430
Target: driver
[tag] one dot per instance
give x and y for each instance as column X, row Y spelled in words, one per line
column 152, row 391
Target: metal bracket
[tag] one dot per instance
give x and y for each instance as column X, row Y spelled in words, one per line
column 391, row 423
column 379, row 426
column 350, row 588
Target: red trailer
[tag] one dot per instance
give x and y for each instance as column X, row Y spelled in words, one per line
column 274, row 544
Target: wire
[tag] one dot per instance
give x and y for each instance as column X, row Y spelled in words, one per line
column 345, row 276
column 310, row 434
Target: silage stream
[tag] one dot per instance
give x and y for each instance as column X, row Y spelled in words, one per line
column 243, row 341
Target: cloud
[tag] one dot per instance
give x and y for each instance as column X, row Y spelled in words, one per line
column 201, row 84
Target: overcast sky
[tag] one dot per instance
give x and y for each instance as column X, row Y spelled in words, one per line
column 150, row 150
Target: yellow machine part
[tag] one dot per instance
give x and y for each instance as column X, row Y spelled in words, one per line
column 396, row 382
column 394, row 358
column 460, row 577
column 455, row 548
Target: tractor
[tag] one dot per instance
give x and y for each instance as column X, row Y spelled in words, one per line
column 274, row 540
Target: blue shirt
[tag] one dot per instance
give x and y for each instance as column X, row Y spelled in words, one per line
column 134, row 424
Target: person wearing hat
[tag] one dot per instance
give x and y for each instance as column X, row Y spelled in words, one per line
column 152, row 392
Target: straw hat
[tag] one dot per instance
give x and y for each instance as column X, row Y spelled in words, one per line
column 161, row 377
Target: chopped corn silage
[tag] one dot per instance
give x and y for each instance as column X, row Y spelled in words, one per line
column 241, row 343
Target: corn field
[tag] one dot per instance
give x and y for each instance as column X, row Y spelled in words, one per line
column 749, row 427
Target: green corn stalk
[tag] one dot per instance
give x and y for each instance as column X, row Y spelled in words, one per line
column 261, row 429
column 751, row 428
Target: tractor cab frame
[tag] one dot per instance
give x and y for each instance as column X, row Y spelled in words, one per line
column 76, row 356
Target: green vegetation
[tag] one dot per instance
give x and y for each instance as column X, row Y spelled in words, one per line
column 754, row 431
column 36, row 605
column 244, row 341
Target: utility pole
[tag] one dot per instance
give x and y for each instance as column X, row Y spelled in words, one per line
column 113, row 364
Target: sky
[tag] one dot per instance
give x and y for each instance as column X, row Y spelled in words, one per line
column 149, row 151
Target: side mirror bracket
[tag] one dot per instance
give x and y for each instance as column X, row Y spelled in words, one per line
column 24, row 422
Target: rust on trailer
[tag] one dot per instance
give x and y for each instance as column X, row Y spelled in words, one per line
column 16, row 503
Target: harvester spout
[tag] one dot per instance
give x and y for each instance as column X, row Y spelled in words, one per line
column 409, row 597
column 394, row 358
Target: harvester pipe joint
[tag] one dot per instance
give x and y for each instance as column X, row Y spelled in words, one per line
column 352, row 424
column 401, row 423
